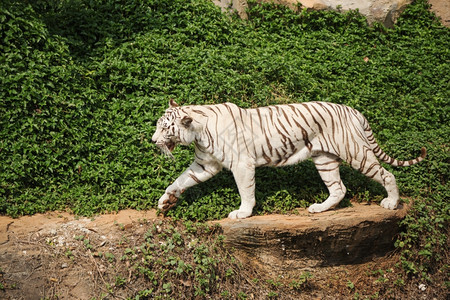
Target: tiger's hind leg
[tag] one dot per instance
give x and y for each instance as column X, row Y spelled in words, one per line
column 388, row 181
column 372, row 168
column 328, row 167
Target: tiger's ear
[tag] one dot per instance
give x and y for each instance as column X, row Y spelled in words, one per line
column 186, row 121
column 172, row 104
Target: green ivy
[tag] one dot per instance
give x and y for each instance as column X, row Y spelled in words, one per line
column 82, row 83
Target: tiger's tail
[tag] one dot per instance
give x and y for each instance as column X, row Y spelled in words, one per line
column 386, row 158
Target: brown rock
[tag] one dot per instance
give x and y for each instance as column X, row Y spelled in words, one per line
column 282, row 243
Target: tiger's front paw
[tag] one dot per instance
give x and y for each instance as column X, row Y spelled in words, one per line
column 239, row 214
column 167, row 201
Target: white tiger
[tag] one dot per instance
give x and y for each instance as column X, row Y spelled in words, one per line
column 239, row 139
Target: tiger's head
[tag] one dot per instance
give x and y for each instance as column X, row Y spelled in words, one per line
column 173, row 128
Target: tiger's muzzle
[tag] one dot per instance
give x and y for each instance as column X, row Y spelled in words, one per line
column 166, row 146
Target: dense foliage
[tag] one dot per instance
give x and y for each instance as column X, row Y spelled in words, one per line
column 82, row 83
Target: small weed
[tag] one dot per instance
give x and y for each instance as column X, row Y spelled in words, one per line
column 79, row 237
column 69, row 254
column 123, row 241
column 399, row 282
column 301, row 282
column 87, row 244
column 109, row 256
column 120, row 281
column 382, row 279
column 229, row 272
column 167, row 287
column 350, row 285
column 274, row 282
column 242, row 296
column 225, row 294
column 144, row 294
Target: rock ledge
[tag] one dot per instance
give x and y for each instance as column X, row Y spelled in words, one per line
column 284, row 243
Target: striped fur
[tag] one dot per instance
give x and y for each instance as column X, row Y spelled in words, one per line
column 239, row 139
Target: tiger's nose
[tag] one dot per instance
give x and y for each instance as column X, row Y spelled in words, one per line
column 154, row 138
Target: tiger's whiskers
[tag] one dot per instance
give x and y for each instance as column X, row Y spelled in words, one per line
column 165, row 150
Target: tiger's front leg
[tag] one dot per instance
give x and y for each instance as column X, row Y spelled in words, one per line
column 195, row 174
column 245, row 181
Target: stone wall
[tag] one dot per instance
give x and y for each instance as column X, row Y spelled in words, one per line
column 383, row 11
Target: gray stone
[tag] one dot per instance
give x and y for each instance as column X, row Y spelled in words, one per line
column 383, row 11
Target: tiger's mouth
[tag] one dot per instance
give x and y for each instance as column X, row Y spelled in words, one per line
column 167, row 147
column 170, row 145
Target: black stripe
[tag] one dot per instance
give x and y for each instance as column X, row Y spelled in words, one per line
column 199, row 112
column 194, row 178
column 327, row 170
column 314, row 118
column 286, row 116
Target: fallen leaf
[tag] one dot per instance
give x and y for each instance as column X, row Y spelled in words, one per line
column 185, row 283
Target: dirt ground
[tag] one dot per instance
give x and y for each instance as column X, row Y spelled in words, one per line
column 49, row 256
column 36, row 252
